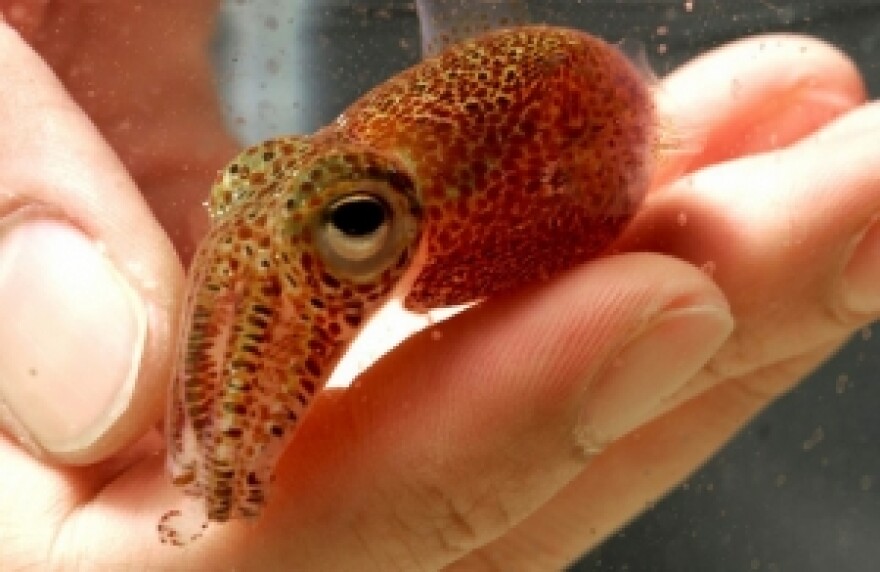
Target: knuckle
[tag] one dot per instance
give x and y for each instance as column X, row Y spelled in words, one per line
column 840, row 320
column 428, row 524
column 770, row 382
column 743, row 353
column 460, row 522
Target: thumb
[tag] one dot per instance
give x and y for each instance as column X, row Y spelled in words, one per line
column 88, row 280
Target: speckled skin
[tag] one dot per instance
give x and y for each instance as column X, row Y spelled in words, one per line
column 504, row 161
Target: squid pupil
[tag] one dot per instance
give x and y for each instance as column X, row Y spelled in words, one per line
column 359, row 217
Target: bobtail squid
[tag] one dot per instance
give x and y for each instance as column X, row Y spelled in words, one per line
column 499, row 162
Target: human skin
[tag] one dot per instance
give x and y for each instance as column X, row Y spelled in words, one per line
column 535, row 425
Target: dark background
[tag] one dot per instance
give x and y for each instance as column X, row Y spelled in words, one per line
column 799, row 488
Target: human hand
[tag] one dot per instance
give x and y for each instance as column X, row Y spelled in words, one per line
column 535, row 423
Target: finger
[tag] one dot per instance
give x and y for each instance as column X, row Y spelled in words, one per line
column 636, row 471
column 753, row 95
column 88, row 282
column 789, row 236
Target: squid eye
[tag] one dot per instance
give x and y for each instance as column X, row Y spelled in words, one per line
column 357, row 226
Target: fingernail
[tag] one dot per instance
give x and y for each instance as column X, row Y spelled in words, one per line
column 655, row 364
column 71, row 336
column 861, row 276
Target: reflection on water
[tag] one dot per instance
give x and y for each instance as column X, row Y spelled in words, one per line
column 797, row 490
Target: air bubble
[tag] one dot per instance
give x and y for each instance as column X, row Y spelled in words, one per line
column 735, row 88
column 842, row 383
column 817, row 437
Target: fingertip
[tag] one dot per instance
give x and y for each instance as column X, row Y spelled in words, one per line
column 759, row 93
